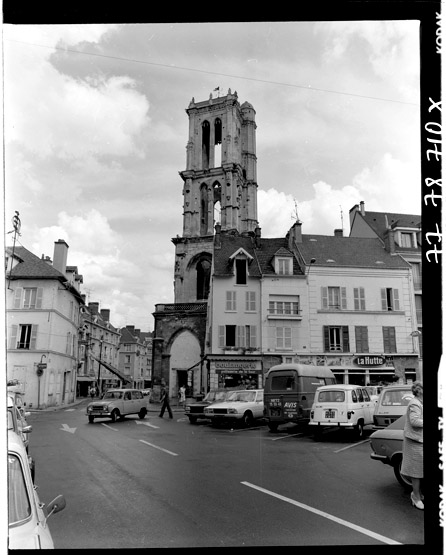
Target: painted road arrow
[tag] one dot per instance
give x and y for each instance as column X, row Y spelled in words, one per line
column 66, row 428
column 147, row 424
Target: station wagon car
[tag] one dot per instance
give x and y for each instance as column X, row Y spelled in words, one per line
column 240, row 406
column 194, row 411
column 344, row 406
column 392, row 404
column 27, row 516
column 118, row 403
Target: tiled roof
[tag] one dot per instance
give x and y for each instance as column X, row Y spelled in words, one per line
column 32, row 267
column 262, row 262
column 348, row 251
column 377, row 221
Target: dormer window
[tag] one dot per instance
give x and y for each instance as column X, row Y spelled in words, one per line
column 284, row 266
column 240, row 260
column 283, row 262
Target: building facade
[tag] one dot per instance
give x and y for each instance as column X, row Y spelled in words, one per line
column 135, row 357
column 43, row 302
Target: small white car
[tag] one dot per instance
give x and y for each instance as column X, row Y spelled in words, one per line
column 241, row 406
column 343, row 406
column 27, row 516
column 117, row 403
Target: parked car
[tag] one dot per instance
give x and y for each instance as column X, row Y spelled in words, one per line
column 342, row 406
column 118, row 403
column 387, row 447
column 17, row 421
column 15, row 394
column 27, row 516
column 241, row 406
column 194, row 411
column 392, row 404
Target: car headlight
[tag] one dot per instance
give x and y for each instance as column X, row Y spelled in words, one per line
column 232, row 411
column 208, row 411
column 187, row 409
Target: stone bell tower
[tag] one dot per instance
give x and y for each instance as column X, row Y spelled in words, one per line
column 220, row 187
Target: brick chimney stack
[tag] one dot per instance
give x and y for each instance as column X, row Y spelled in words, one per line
column 339, row 232
column 93, row 308
column 105, row 314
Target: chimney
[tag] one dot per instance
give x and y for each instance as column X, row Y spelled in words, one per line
column 217, row 239
column 362, row 208
column 60, row 256
column 258, row 234
column 389, row 240
column 93, row 308
column 339, row 232
column 131, row 328
column 105, row 314
column 295, row 235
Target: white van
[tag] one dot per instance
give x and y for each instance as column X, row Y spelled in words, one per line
column 342, row 405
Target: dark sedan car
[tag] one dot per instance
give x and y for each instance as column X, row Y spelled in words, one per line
column 387, row 447
column 194, row 411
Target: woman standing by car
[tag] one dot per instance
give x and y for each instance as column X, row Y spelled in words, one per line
column 412, row 465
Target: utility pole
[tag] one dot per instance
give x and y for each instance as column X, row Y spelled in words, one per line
column 100, row 364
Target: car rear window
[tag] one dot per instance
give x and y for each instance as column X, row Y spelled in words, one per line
column 283, row 383
column 332, row 396
column 396, row 397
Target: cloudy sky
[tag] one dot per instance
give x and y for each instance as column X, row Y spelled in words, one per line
column 96, row 132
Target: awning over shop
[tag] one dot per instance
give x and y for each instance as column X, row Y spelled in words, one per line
column 85, row 379
column 112, row 369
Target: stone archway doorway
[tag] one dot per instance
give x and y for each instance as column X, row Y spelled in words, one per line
column 185, row 352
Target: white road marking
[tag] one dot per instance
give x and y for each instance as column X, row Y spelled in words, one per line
column 69, row 410
column 147, row 424
column 360, row 529
column 287, row 436
column 160, row 448
column 66, row 428
column 109, row 427
column 352, row 445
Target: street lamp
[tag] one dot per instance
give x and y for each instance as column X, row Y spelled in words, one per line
column 40, row 368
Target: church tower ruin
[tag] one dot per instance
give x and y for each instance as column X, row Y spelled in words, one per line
column 220, row 187
column 219, row 191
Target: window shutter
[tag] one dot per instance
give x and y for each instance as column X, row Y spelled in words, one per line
column 228, row 300
column 248, row 298
column 287, row 337
column 13, row 337
column 221, row 336
column 240, row 336
column 39, row 297
column 392, row 339
column 362, row 298
column 383, row 299
column 396, row 299
column 345, row 342
column 324, row 291
column 33, row 337
column 326, row 339
column 253, row 334
column 343, row 298
column 356, row 298
column 18, row 297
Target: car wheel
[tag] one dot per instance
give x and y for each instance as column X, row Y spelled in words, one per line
column 403, row 480
column 273, row 426
column 248, row 418
column 192, row 419
column 142, row 413
column 359, row 430
column 91, row 419
column 115, row 415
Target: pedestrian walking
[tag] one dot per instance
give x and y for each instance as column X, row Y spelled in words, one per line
column 412, row 465
column 183, row 396
column 164, row 398
column 92, row 391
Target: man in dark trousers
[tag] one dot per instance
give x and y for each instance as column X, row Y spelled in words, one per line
column 164, row 398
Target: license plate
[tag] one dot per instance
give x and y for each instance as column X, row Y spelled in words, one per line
column 329, row 414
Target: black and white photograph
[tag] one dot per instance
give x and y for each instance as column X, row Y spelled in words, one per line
column 214, row 261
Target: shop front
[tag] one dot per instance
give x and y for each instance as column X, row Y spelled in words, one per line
column 228, row 371
column 369, row 369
